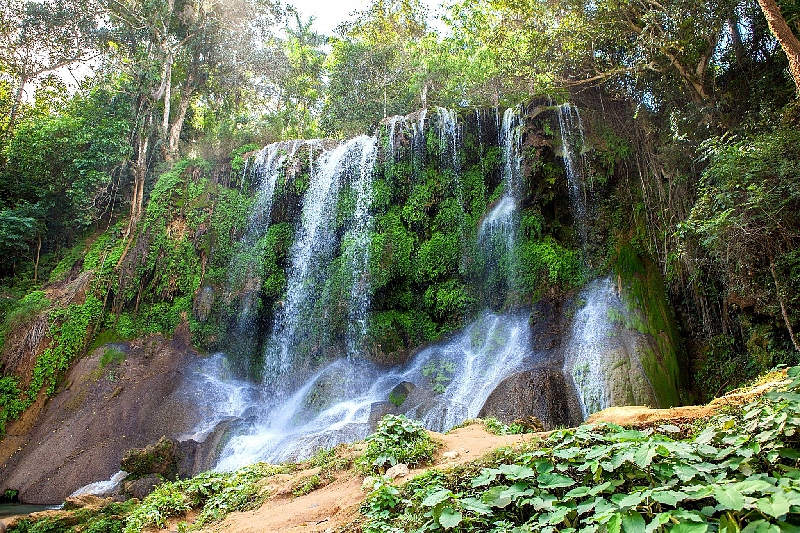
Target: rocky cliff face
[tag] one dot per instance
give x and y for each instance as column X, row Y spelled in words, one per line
column 122, row 396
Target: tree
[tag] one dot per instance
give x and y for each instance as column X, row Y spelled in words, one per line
column 173, row 51
column 299, row 79
column 372, row 66
column 60, row 172
column 788, row 40
column 39, row 37
column 748, row 217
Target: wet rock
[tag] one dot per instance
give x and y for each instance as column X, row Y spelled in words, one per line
column 86, row 501
column 399, row 394
column 202, row 303
column 380, row 409
column 142, row 487
column 100, row 413
column 543, row 392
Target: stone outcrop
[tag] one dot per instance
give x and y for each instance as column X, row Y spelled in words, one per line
column 101, row 412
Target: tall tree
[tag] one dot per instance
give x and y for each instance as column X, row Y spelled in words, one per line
column 39, row 37
column 788, row 40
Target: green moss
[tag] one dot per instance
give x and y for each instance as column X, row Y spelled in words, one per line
column 646, row 301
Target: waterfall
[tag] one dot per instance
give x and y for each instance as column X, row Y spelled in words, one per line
column 318, row 395
column 497, row 234
column 358, row 240
column 449, row 136
column 569, row 120
column 341, row 401
column 311, row 252
column 266, row 168
column 589, row 337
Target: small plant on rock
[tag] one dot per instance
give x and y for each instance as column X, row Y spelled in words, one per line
column 397, row 440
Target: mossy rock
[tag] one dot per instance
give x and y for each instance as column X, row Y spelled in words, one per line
column 159, row 458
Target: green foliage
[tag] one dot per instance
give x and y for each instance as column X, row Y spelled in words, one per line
column 58, row 172
column 396, row 440
column 108, row 519
column 547, row 263
column 738, row 473
column 213, row 494
column 70, row 330
column 22, row 311
column 439, row 372
column 306, row 485
column 748, row 219
column 496, row 427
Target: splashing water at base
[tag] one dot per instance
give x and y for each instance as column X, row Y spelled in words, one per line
column 450, row 382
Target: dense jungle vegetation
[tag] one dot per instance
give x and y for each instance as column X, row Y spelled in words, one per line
column 121, row 199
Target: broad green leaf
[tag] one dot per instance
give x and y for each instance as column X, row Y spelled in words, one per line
column 515, row 472
column 729, row 498
column 669, row 497
column 632, row 522
column 750, row 486
column 776, row 505
column 628, row 500
column 551, row 481
column 450, row 518
column 487, row 476
column 614, row 524
column 543, row 502
column 761, row 526
column 436, row 498
column 578, row 492
column 690, row 527
column 568, row 453
column 475, row 505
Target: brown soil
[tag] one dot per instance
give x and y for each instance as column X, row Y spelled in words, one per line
column 335, row 505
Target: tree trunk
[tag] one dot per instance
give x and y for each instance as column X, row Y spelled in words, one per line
column 788, row 40
column 36, row 263
column 736, row 39
column 177, row 125
column 167, row 97
column 784, row 312
column 16, row 105
column 139, row 171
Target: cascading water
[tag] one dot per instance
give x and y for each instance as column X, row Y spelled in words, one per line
column 307, row 401
column 339, row 402
column 498, row 230
column 312, row 250
column 358, row 250
column 266, row 169
column 572, row 141
column 591, row 330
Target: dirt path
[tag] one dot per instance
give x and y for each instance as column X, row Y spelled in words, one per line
column 336, row 505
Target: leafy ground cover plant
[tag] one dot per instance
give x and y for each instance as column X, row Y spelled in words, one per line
column 737, row 474
column 215, row 494
column 396, row 440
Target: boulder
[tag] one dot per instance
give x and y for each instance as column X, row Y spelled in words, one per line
column 543, row 392
column 142, row 487
column 158, row 458
column 99, row 414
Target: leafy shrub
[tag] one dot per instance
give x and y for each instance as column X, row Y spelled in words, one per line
column 397, row 440
column 496, row 427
